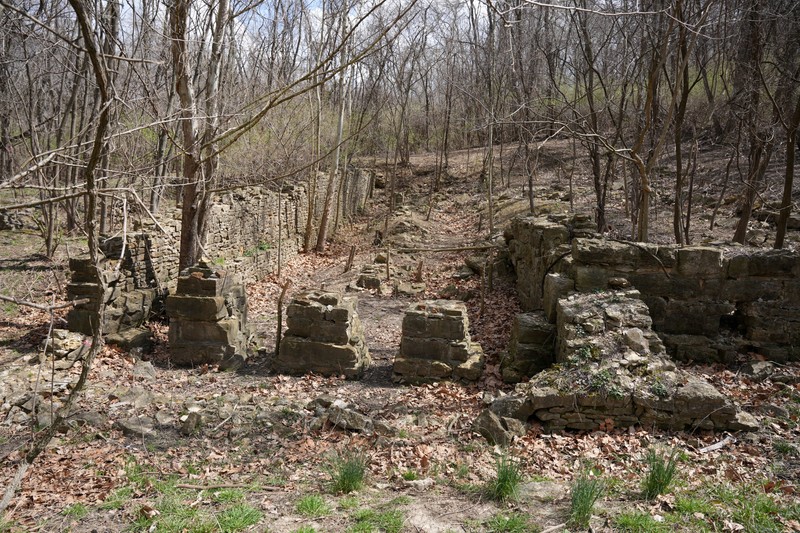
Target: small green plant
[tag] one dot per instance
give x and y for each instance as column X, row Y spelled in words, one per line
column 409, row 475
column 462, row 470
column 348, row 502
column 509, row 523
column 690, row 505
column 586, row 491
column 347, row 472
column 174, row 514
column 238, row 518
column 305, row 529
column 369, row 520
column 639, row 522
column 117, row 499
column 228, row 496
column 784, row 448
column 506, row 482
column 659, row 388
column 312, row 505
column 662, row 468
column 76, row 510
column 601, row 380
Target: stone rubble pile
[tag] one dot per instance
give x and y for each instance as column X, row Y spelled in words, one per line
column 612, row 371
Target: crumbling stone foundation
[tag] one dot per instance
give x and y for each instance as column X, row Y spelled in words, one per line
column 324, row 335
column 708, row 303
column 208, row 318
column 612, row 371
column 436, row 344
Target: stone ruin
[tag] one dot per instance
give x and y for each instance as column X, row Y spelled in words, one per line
column 611, row 371
column 436, row 344
column 708, row 303
column 607, row 313
column 323, row 335
column 208, row 318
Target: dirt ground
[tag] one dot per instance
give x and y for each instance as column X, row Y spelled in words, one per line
column 257, row 450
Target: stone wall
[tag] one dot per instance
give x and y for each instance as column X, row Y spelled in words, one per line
column 436, row 344
column 244, row 227
column 613, row 372
column 708, row 303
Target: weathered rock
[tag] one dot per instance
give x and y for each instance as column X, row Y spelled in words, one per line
column 349, row 419
column 191, row 424
column 136, row 427
column 602, row 382
column 531, row 349
column 62, row 342
column 410, row 288
column 498, row 430
column 712, row 303
column 133, row 339
column 144, row 370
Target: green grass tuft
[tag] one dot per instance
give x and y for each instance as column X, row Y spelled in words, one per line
column 369, row 520
column 510, row 523
column 506, row 482
column 410, row 475
column 639, row 522
column 312, row 505
column 585, row 493
column 76, row 510
column 662, row 468
column 347, row 472
column 238, row 518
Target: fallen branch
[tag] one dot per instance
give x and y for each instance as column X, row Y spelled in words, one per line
column 457, row 249
column 716, row 446
column 222, row 486
column 42, row 306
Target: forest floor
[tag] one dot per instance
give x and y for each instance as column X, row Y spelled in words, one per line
column 256, row 462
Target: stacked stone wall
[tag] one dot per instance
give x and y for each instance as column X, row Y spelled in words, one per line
column 243, row 231
column 208, row 318
column 436, row 344
column 708, row 303
column 324, row 335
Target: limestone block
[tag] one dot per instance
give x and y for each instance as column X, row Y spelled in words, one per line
column 695, row 317
column 435, row 343
column 700, row 261
column 531, row 348
column 318, row 330
column 182, row 332
column 324, row 335
column 600, row 251
column 774, row 263
column 555, row 286
column 591, row 278
column 434, row 325
column 196, row 307
column 498, row 430
column 697, row 398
